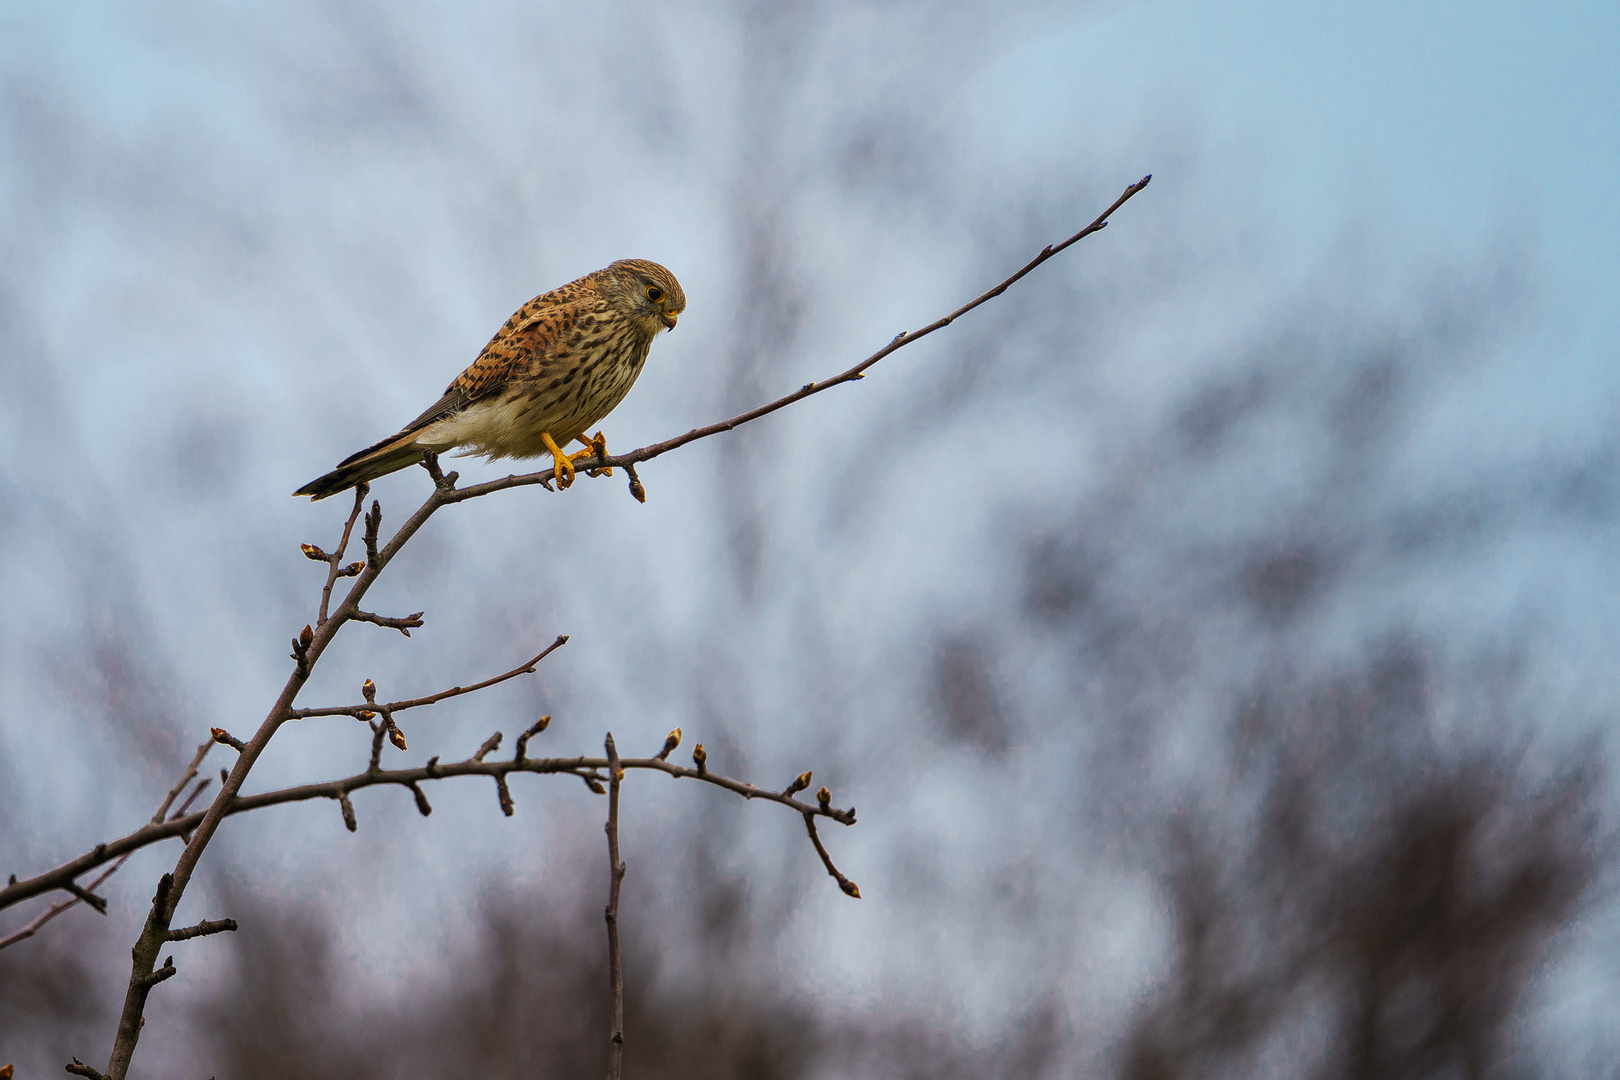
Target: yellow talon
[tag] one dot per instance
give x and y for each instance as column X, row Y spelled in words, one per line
column 594, row 447
column 562, row 467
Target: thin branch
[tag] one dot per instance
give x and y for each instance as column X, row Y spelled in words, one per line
column 433, row 699
column 334, row 569
column 33, row 927
column 403, row 623
column 615, row 880
column 203, row 929
column 185, row 778
column 849, row 887
column 646, row 453
column 590, row 769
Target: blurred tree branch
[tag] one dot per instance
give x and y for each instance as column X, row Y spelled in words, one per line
column 311, row 643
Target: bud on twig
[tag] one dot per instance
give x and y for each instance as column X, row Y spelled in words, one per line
column 225, row 738
column 534, row 729
column 671, row 741
column 396, row 736
column 491, row 744
column 314, row 553
column 369, row 689
column 824, row 797
column 800, row 782
column 700, row 758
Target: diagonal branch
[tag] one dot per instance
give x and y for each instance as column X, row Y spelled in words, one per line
column 33, row 927
column 433, row 699
column 629, row 460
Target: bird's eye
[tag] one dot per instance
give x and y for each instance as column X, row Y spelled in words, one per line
column 654, row 293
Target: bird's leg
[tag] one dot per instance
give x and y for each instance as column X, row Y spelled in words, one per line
column 595, row 447
column 562, row 466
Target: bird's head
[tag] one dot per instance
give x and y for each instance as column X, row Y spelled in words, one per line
column 650, row 293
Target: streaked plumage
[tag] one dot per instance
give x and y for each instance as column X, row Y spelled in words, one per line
column 561, row 363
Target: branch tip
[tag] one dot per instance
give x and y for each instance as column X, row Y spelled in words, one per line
column 671, row 741
column 423, row 807
column 225, row 738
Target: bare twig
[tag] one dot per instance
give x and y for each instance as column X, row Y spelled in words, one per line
column 534, row 729
column 203, row 929
column 849, row 887
column 615, row 879
column 526, row 668
column 33, row 927
column 593, row 770
column 334, row 570
column 403, row 623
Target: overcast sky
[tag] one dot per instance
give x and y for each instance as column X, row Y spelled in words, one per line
column 240, row 241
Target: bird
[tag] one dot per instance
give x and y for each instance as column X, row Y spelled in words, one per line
column 561, row 363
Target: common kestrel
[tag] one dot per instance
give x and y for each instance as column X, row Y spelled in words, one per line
column 560, row 364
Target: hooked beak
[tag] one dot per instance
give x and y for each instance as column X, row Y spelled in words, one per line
column 669, row 318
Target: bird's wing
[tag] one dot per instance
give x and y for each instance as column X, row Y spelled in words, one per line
column 524, row 344
column 519, row 348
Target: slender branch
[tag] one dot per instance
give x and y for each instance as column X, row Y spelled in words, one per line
column 404, row 623
column 334, row 569
column 307, row 650
column 849, row 887
column 591, row 769
column 203, row 929
column 434, row 699
column 33, row 927
column 615, row 880
column 646, row 453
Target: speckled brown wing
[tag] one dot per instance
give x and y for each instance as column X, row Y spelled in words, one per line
column 518, row 350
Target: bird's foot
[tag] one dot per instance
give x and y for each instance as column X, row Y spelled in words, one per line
column 562, row 466
column 595, row 448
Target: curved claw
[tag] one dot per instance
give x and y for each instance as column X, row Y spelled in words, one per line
column 595, row 447
column 562, row 467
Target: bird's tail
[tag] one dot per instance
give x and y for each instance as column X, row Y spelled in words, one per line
column 391, row 455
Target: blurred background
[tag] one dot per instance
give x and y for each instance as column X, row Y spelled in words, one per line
column 1215, row 633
